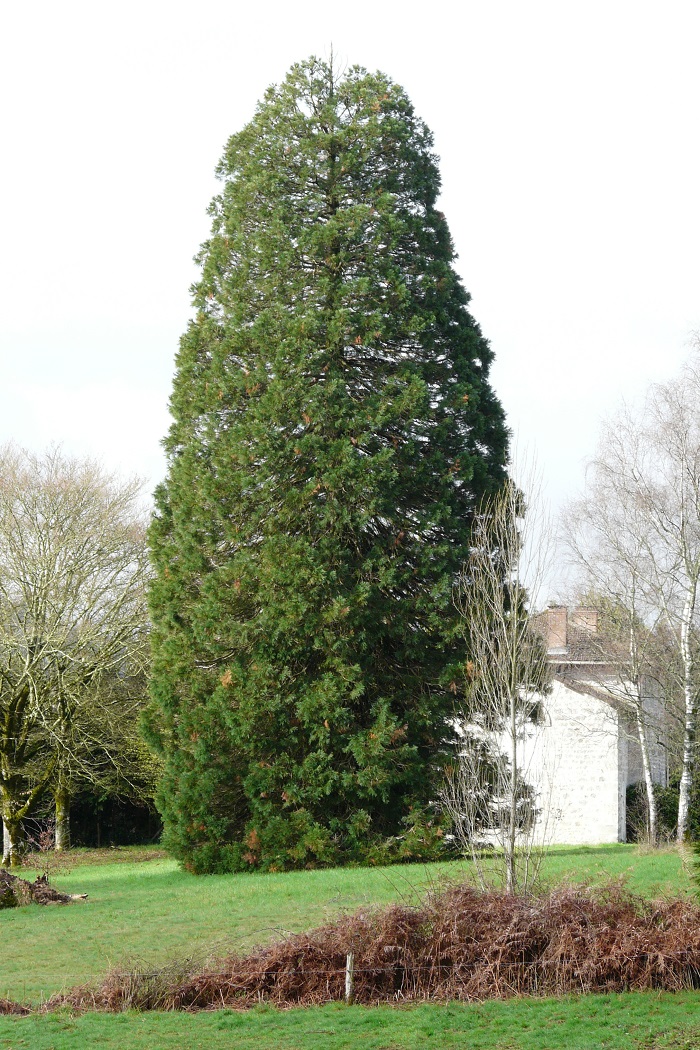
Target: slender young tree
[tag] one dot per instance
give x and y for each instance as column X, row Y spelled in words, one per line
column 491, row 788
column 333, row 430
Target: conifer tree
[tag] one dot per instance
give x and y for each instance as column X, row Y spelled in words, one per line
column 333, row 431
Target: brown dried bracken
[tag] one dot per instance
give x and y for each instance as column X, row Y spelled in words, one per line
column 8, row 1007
column 15, row 891
column 460, row 945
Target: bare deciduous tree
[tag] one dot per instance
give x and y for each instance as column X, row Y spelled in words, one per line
column 638, row 535
column 487, row 792
column 73, row 625
column 608, row 547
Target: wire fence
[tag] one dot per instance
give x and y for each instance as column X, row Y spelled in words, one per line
column 460, row 944
column 352, row 980
column 692, row 956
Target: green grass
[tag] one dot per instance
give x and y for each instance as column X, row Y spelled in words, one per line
column 650, row 873
column 142, row 910
column 143, row 913
column 618, row 1022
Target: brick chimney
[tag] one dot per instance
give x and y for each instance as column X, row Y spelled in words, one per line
column 552, row 623
column 585, row 619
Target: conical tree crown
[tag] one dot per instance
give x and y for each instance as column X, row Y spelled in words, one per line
column 333, row 431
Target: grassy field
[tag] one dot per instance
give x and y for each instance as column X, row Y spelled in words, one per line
column 621, row 1022
column 145, row 912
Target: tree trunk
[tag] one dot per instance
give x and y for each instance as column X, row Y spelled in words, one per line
column 690, row 713
column 15, row 840
column 62, row 800
column 638, row 680
column 511, row 835
column 6, row 846
column 648, row 782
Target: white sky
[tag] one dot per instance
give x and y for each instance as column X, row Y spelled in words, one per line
column 569, row 140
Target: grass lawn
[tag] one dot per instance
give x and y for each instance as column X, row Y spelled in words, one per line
column 142, row 913
column 643, row 1021
column 145, row 912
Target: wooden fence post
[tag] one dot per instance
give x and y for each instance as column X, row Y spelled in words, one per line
column 350, row 978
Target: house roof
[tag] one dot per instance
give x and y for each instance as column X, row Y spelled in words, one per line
column 578, row 655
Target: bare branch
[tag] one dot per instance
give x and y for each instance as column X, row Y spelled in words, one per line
column 73, row 620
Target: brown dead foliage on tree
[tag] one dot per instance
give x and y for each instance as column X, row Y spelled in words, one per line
column 460, row 945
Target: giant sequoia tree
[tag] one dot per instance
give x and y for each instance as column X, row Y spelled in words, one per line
column 333, row 430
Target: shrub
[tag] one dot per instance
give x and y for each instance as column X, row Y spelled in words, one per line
column 667, row 811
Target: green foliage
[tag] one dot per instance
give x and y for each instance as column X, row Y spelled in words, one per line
column 422, row 838
column 290, row 840
column 637, row 812
column 333, row 431
column 667, row 811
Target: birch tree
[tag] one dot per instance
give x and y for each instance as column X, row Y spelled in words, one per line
column 73, row 624
column 644, row 521
column 608, row 542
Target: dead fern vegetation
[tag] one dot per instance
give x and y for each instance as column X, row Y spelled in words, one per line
column 7, row 1006
column 15, row 892
column 461, row 944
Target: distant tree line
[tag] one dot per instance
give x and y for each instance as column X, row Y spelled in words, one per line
column 74, row 648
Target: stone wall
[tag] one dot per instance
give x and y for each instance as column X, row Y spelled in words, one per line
column 578, row 761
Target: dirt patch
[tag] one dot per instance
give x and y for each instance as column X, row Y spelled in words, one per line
column 460, row 945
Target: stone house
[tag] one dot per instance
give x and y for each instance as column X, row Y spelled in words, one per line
column 585, row 752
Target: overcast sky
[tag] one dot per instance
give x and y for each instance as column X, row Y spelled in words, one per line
column 569, row 141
